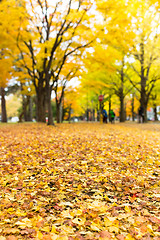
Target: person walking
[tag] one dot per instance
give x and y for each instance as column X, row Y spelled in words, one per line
column 105, row 116
column 112, row 116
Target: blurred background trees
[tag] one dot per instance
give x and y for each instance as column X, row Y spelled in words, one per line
column 56, row 58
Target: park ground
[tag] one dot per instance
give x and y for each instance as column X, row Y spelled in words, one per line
column 80, row 181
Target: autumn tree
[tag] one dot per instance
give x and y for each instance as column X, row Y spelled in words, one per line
column 106, row 70
column 137, row 38
column 4, row 77
column 55, row 32
column 69, row 72
column 147, row 57
column 113, row 43
column 71, row 103
column 15, row 10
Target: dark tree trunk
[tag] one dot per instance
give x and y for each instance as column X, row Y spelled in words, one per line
column 29, row 113
column 143, row 100
column 121, row 95
column 155, row 113
column 132, row 104
column 24, row 107
column 3, row 106
column 41, row 113
column 87, row 114
column 122, row 110
column 58, row 111
column 110, row 104
column 61, row 112
column 93, row 115
column 24, row 110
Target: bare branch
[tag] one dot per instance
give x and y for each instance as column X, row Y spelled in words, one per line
column 135, row 70
column 134, row 85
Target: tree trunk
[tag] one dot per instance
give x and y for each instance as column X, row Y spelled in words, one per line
column 143, row 100
column 24, row 110
column 132, row 104
column 3, row 105
column 93, row 115
column 58, row 111
column 122, row 112
column 29, row 112
column 87, row 114
column 155, row 113
column 24, row 107
column 41, row 105
column 110, row 103
column 145, row 114
column 121, row 95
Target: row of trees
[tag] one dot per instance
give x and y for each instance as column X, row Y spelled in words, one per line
column 111, row 47
column 126, row 59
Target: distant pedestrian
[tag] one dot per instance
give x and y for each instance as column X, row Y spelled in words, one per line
column 105, row 116
column 112, row 116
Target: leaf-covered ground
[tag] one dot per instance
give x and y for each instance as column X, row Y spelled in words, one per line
column 80, row 181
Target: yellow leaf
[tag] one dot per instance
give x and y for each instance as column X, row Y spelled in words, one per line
column 107, row 222
column 95, row 228
column 94, row 169
column 66, row 214
column 78, row 221
column 149, row 227
column 127, row 209
column 10, row 210
column 129, row 237
column 53, row 229
column 113, row 229
column 79, row 212
column 24, row 223
column 45, row 229
column 39, row 235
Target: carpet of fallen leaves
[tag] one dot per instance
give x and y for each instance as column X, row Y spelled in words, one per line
column 80, row 181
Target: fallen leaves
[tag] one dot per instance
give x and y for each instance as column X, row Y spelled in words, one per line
column 79, row 181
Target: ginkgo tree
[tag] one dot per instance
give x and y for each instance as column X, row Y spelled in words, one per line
column 145, row 51
column 8, row 26
column 69, row 72
column 136, row 39
column 72, row 107
column 56, row 31
column 106, row 69
column 113, row 43
column 3, row 83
